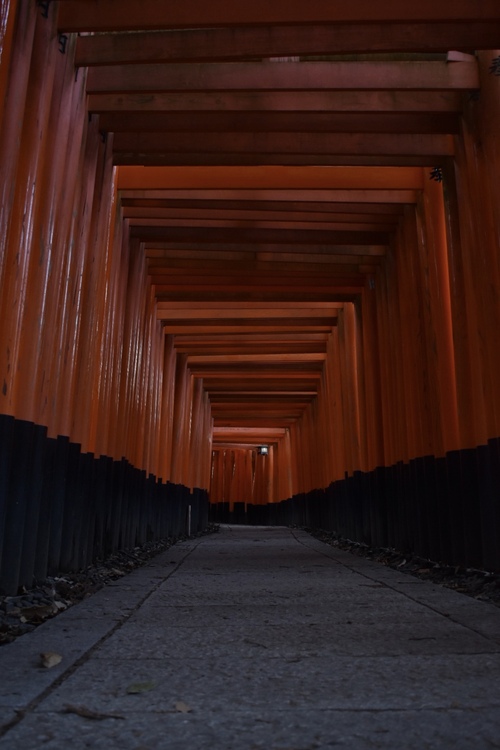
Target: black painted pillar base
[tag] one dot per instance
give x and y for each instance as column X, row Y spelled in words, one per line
column 61, row 509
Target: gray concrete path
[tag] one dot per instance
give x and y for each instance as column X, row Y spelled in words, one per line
column 259, row 638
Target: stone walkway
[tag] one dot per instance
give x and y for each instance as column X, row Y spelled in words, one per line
column 259, row 638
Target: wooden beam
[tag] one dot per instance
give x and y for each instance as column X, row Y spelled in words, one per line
column 268, row 178
column 255, row 421
column 269, row 385
column 225, row 235
column 250, row 159
column 213, row 323
column 279, row 101
column 340, row 292
column 295, row 265
column 249, row 403
column 229, row 359
column 168, row 277
column 247, row 433
column 307, row 374
column 173, row 251
column 277, row 399
column 270, row 292
column 245, row 347
column 270, row 403
column 288, row 122
column 257, row 224
column 243, row 307
column 138, row 145
column 342, row 287
column 129, row 199
column 235, row 396
column 220, row 445
column 279, row 76
column 291, row 349
column 126, row 15
column 241, row 327
column 230, row 316
column 216, row 385
column 240, row 43
column 305, row 195
column 276, row 282
column 220, row 213
column 255, row 414
column 318, row 339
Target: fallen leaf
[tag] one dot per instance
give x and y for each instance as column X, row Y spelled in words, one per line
column 140, row 687
column 87, row 713
column 182, row 707
column 50, row 659
column 37, row 614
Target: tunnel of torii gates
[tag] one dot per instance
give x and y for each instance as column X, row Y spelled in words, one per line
column 233, row 225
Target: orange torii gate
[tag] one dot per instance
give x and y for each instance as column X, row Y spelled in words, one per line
column 226, row 227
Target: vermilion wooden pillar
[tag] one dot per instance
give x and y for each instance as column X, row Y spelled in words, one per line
column 153, row 364
column 53, row 346
column 14, row 79
column 324, row 432
column 397, row 393
column 181, row 406
column 371, row 368
column 25, row 187
column 385, row 349
column 208, row 425
column 187, row 430
column 37, row 248
column 110, row 336
column 125, row 425
column 197, row 446
column 7, row 22
column 336, row 409
column 75, row 270
column 436, row 284
column 38, row 324
column 477, row 163
column 470, row 405
column 441, row 313
column 167, row 409
column 350, row 384
column 89, row 374
column 215, row 490
column 413, row 375
column 286, row 474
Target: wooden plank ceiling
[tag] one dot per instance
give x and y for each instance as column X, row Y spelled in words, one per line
column 267, row 151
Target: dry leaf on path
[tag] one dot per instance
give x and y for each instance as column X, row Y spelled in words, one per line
column 87, row 713
column 182, row 707
column 37, row 614
column 50, row 659
column 140, row 687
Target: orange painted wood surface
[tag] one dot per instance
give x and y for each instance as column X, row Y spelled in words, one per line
column 293, row 279
column 105, row 15
column 239, row 43
column 332, row 76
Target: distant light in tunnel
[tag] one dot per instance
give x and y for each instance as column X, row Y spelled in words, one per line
column 263, row 450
